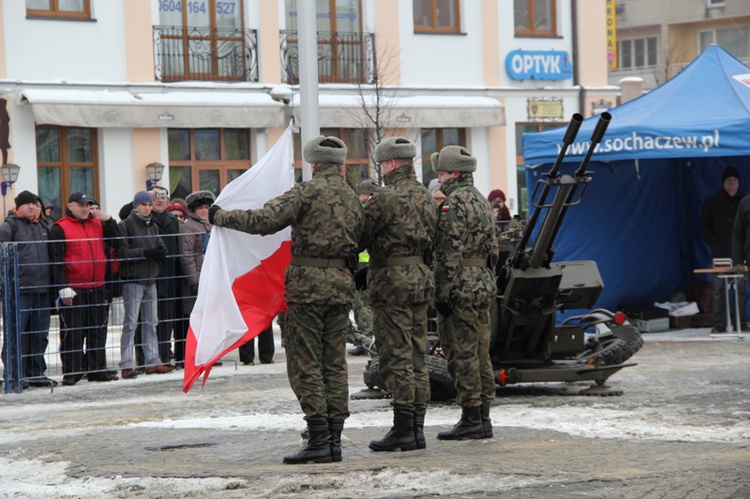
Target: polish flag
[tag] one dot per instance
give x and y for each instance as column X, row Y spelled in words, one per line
column 241, row 285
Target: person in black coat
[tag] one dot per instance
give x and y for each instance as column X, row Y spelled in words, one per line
column 716, row 224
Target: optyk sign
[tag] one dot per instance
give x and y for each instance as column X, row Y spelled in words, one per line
column 539, row 65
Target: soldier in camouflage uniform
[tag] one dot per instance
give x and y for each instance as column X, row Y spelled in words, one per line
column 361, row 307
column 326, row 219
column 465, row 254
column 399, row 230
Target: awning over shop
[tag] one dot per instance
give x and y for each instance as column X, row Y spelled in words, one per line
column 444, row 111
column 248, row 109
column 122, row 109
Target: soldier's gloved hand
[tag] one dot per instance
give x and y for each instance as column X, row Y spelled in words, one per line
column 444, row 308
column 212, row 213
column 157, row 253
column 740, row 268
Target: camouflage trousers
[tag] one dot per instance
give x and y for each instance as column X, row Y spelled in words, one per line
column 465, row 337
column 362, row 313
column 316, row 358
column 401, row 341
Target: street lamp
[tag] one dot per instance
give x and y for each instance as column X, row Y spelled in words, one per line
column 10, row 175
column 155, row 171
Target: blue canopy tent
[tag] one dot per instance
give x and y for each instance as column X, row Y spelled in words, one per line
column 662, row 155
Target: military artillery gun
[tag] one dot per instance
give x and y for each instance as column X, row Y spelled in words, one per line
column 527, row 345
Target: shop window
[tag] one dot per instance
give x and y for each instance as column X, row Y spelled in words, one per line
column 436, row 16
column 433, row 140
column 66, row 162
column 735, row 40
column 535, row 17
column 206, row 158
column 74, row 9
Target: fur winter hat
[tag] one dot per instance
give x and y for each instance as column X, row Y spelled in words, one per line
column 199, row 198
column 325, row 150
column 394, row 148
column 25, row 197
column 368, row 186
column 434, row 160
column 455, row 159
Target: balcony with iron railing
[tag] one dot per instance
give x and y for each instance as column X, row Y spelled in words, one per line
column 205, row 54
column 342, row 57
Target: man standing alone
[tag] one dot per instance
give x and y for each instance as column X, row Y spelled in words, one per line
column 399, row 232
column 716, row 224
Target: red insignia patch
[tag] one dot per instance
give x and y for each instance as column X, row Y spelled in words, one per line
column 445, row 208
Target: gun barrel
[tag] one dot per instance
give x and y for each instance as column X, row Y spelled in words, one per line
column 596, row 137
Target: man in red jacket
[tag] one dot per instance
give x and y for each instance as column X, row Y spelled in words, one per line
column 79, row 266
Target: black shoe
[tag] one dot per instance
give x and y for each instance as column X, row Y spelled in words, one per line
column 401, row 435
column 103, row 376
column 251, row 363
column 267, row 362
column 140, row 370
column 469, row 427
column 218, row 363
column 71, row 379
column 317, row 450
column 718, row 329
column 40, row 381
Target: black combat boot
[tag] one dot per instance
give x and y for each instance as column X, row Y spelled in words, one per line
column 468, row 427
column 317, row 449
column 401, row 436
column 419, row 414
column 486, row 421
column 335, row 427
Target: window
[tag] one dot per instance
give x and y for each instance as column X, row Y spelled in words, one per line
column 433, row 140
column 203, row 40
column 535, row 17
column 66, row 161
column 357, row 166
column 715, row 3
column 75, row 9
column 735, row 40
column 436, row 16
column 342, row 50
column 637, row 53
column 206, row 158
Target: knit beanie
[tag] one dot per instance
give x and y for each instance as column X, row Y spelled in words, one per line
column 730, row 171
column 394, row 148
column 325, row 150
column 496, row 193
column 25, row 197
column 142, row 197
column 455, row 159
column 177, row 207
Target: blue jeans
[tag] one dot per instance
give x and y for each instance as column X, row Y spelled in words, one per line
column 34, row 320
column 141, row 298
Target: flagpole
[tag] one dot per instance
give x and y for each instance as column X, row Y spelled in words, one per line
column 308, row 76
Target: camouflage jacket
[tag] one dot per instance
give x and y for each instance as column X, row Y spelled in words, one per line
column 465, row 229
column 326, row 218
column 400, row 221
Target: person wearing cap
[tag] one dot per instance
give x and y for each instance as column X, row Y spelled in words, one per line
column 79, row 270
column 716, row 223
column 501, row 212
column 399, row 234
column 326, row 220
column 170, row 283
column 140, row 251
column 466, row 251
column 24, row 225
column 434, row 186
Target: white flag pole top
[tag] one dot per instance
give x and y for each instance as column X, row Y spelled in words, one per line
column 308, row 76
column 216, row 320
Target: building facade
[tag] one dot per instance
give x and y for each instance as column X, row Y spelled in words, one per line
column 95, row 90
column 656, row 40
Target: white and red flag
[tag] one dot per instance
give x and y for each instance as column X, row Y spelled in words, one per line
column 241, row 285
